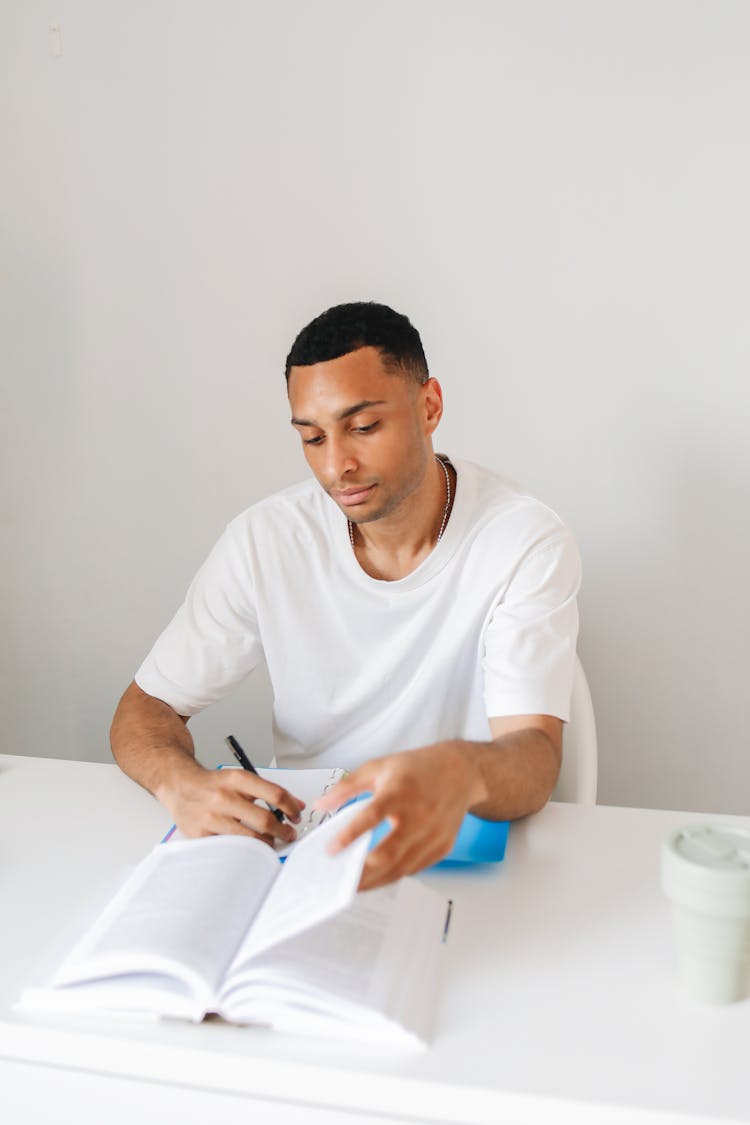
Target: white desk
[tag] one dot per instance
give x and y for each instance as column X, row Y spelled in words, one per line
column 559, row 999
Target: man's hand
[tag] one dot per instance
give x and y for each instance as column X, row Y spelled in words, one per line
column 152, row 744
column 215, row 802
column 423, row 794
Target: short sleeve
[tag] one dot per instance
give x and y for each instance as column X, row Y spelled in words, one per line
column 213, row 641
column 530, row 642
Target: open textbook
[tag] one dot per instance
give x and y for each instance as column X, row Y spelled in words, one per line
column 220, row 925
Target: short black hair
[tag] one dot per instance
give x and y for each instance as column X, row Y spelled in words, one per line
column 361, row 324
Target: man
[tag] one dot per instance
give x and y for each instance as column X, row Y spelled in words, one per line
column 418, row 619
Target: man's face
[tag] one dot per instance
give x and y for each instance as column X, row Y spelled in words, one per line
column 365, row 432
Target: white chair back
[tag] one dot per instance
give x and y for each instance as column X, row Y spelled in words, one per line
column 578, row 775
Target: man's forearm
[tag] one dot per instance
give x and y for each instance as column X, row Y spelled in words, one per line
column 151, row 743
column 516, row 773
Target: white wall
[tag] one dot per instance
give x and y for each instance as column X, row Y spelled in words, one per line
column 556, row 193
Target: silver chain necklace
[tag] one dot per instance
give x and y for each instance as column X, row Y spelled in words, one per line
column 445, row 509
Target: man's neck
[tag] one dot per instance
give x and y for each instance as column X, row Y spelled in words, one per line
column 393, row 547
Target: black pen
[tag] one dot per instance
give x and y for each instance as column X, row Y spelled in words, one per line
column 448, row 913
column 246, row 764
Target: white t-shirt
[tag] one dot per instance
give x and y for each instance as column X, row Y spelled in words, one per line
column 485, row 626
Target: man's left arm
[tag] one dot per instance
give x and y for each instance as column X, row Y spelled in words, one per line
column 425, row 793
column 527, row 663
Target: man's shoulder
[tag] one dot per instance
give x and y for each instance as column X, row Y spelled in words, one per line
column 501, row 520
column 503, row 498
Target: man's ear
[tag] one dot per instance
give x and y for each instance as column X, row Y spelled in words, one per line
column 432, row 404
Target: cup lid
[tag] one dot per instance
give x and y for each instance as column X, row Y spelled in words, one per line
column 708, row 865
column 714, row 845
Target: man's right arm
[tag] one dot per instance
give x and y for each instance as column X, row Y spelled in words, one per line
column 152, row 744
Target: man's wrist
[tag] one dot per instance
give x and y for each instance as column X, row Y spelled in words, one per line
column 175, row 778
column 472, row 755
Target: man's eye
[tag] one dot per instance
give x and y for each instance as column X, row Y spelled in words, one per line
column 313, row 440
column 365, row 429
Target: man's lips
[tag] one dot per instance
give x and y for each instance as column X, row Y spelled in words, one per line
column 348, row 497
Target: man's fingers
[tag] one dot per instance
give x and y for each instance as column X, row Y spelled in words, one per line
column 370, row 817
column 256, row 817
column 254, row 788
column 378, row 870
column 388, row 861
column 230, row 804
column 405, row 851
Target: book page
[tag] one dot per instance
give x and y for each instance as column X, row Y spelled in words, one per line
column 312, row 886
column 374, row 963
column 339, row 955
column 186, row 907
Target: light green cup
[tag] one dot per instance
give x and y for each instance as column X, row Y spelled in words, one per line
column 705, row 873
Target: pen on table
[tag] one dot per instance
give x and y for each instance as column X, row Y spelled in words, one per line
column 448, row 914
column 246, row 764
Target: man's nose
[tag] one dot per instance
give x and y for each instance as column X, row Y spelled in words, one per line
column 340, row 459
